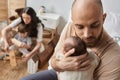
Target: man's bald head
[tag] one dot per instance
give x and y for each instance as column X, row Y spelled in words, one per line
column 98, row 2
column 87, row 7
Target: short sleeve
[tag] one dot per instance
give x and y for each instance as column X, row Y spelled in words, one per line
column 15, row 22
column 40, row 33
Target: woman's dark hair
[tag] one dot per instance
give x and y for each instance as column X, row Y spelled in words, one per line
column 32, row 26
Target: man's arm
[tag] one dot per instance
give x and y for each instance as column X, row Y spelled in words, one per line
column 68, row 63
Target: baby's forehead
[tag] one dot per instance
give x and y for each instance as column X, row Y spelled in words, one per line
column 69, row 40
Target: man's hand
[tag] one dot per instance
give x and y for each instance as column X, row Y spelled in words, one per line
column 73, row 63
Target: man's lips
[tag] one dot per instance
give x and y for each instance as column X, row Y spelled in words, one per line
column 90, row 40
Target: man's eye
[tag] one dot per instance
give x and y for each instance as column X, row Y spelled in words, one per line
column 79, row 26
column 95, row 25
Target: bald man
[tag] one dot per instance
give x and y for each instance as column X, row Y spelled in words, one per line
column 87, row 23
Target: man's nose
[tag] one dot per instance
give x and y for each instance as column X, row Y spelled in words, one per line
column 87, row 33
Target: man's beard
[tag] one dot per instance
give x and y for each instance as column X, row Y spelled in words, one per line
column 92, row 41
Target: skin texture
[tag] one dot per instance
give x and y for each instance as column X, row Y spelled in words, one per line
column 26, row 18
column 88, row 19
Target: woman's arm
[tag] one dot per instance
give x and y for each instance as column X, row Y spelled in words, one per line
column 4, row 36
column 33, row 52
column 7, row 29
column 38, row 44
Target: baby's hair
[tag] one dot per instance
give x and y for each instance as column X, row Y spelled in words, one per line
column 78, row 44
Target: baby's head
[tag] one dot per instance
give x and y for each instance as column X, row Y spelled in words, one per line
column 23, row 30
column 77, row 43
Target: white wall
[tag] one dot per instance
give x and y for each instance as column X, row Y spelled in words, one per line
column 62, row 7
column 111, row 5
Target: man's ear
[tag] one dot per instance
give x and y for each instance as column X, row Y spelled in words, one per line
column 104, row 17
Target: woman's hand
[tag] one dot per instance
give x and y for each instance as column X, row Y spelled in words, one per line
column 74, row 63
column 23, row 45
column 26, row 57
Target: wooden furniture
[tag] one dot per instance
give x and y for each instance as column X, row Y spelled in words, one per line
column 15, row 4
column 3, row 10
column 49, row 49
column 7, row 8
column 13, row 61
column 12, row 58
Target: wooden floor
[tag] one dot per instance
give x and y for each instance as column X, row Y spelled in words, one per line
column 14, row 73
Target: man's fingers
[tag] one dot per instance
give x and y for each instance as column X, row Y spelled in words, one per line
column 85, row 63
column 69, row 52
column 83, row 68
column 82, row 57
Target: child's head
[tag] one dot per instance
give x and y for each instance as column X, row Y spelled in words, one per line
column 22, row 30
column 77, row 43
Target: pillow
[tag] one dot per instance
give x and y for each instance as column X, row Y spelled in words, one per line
column 112, row 25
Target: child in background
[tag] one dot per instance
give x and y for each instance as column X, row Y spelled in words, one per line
column 21, row 40
column 80, row 48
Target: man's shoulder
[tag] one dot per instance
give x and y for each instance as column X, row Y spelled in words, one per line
column 113, row 51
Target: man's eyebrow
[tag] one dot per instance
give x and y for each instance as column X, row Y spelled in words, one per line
column 78, row 25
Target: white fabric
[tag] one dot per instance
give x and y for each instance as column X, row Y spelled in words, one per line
column 112, row 25
column 40, row 32
column 1, row 43
column 15, row 22
column 80, row 75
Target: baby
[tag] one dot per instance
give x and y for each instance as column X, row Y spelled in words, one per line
column 80, row 48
